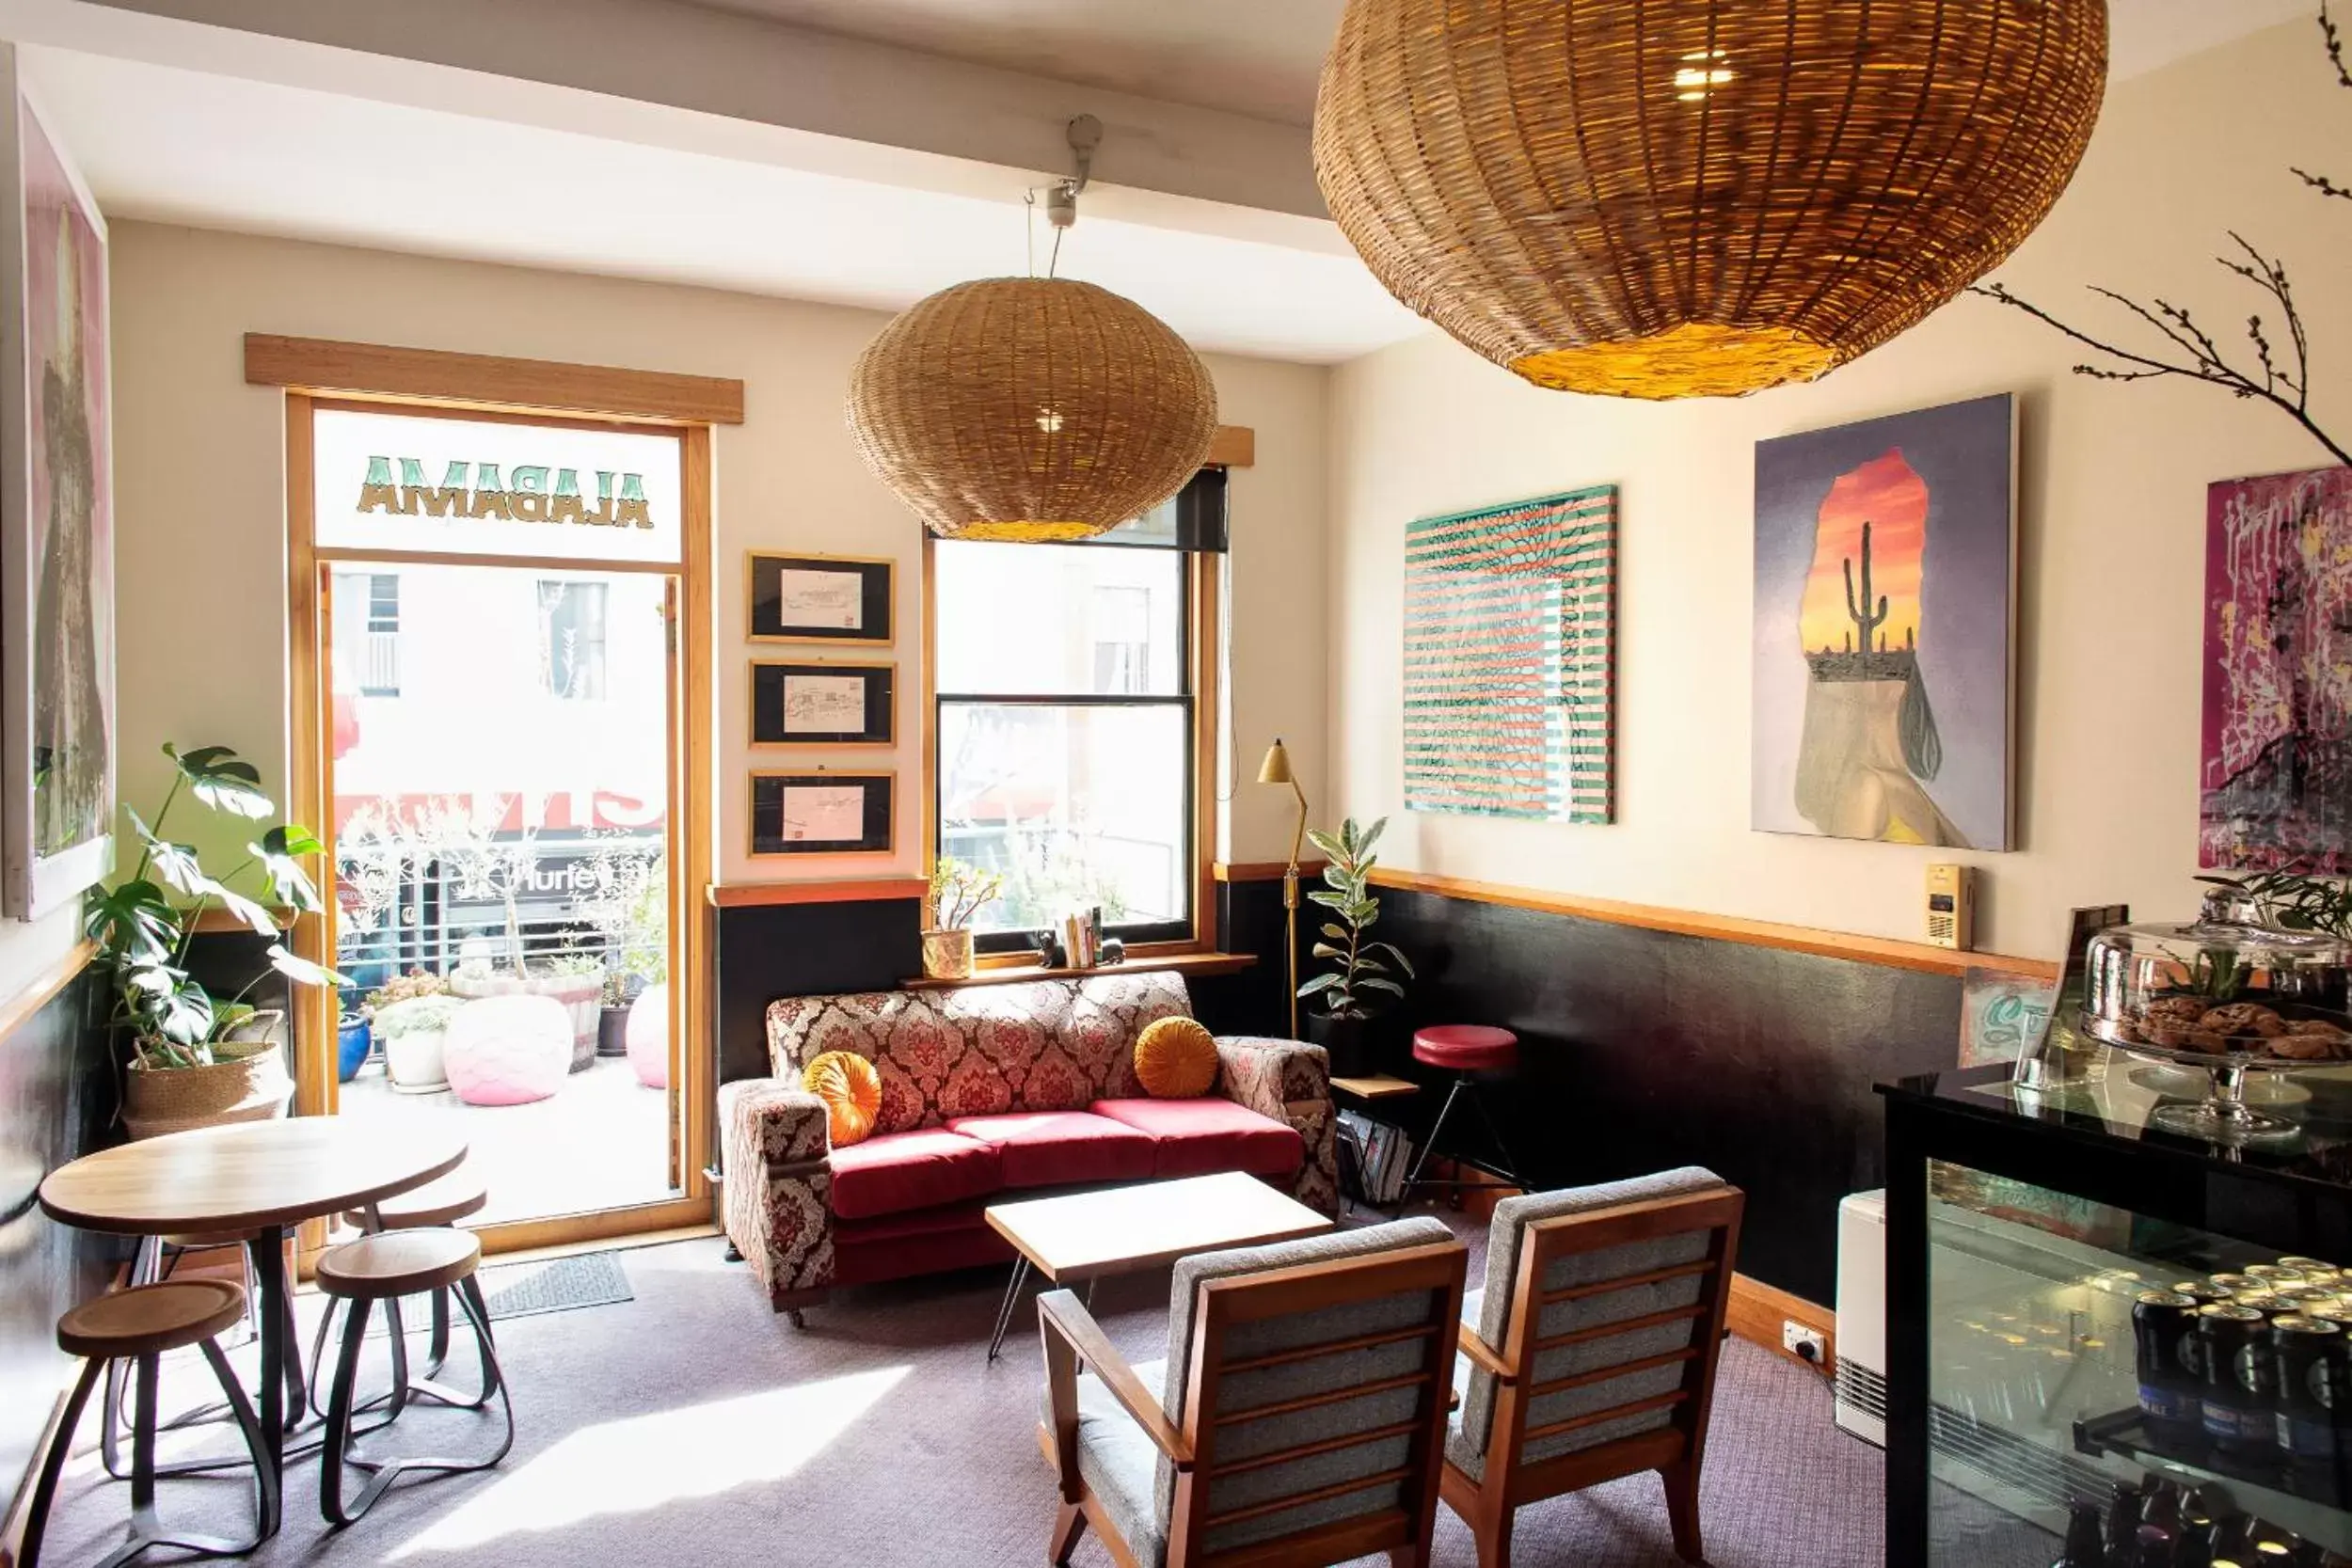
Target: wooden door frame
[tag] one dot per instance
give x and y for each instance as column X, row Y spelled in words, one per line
column 693, row 797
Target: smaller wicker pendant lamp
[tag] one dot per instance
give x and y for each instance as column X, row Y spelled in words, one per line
column 1032, row 408
column 1667, row 199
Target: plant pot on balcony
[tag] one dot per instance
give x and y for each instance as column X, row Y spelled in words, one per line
column 583, row 996
column 251, row 1088
column 650, row 1036
column 413, row 1032
column 354, row 1040
column 613, row 1031
column 948, row 955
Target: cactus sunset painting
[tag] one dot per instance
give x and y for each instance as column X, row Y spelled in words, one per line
column 1883, row 559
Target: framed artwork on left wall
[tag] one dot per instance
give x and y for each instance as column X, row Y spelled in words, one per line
column 56, row 522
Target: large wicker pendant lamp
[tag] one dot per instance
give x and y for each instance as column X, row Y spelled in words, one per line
column 1032, row 408
column 1670, row 198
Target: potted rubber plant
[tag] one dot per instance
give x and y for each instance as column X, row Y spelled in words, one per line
column 197, row 1059
column 1366, row 975
column 958, row 893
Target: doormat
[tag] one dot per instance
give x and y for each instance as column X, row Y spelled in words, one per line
column 555, row 1284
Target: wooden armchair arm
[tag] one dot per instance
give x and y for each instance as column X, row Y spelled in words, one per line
column 1071, row 1337
column 1487, row 1356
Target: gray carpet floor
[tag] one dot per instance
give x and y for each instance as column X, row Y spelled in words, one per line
column 689, row 1425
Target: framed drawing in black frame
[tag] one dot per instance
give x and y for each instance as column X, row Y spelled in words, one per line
column 820, row 598
column 822, row 814
column 823, row 704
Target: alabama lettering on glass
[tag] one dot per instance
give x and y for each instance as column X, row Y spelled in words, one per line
column 389, row 484
column 475, row 491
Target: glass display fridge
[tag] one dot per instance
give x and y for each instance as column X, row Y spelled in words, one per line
column 2110, row 1343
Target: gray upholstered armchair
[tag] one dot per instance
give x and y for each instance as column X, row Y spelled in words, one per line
column 1301, row 1413
column 1590, row 1354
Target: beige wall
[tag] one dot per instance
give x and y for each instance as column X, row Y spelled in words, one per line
column 203, row 498
column 2113, row 493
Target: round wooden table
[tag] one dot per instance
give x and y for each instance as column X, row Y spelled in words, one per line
column 260, row 1177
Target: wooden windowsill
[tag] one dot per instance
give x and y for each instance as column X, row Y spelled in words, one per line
column 743, row 896
column 1180, row 964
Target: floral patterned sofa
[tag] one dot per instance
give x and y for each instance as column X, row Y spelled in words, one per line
column 986, row 1090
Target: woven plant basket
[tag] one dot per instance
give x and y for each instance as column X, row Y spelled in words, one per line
column 1030, row 408
column 1703, row 197
column 156, row 1100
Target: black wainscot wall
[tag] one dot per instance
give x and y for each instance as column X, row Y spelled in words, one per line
column 58, row 1097
column 1640, row 1050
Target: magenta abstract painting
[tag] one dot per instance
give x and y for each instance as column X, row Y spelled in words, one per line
column 2276, row 787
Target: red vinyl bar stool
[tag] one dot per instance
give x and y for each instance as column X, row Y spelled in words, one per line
column 1467, row 1050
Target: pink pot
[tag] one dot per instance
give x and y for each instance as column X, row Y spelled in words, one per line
column 650, row 1036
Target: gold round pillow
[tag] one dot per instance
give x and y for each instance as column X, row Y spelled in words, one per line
column 852, row 1090
column 1176, row 1058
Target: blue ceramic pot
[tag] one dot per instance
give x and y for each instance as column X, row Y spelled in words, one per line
column 352, row 1041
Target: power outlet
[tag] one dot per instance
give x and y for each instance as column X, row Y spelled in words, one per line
column 1805, row 1344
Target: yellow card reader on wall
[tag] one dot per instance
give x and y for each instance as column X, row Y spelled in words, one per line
column 1951, row 891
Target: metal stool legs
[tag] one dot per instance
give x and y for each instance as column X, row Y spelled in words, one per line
column 336, row 1454
column 147, row 1530
column 1507, row 1168
column 149, row 1265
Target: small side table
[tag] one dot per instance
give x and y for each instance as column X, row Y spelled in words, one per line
column 1369, row 1090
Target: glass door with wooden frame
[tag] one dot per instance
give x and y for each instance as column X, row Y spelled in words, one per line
column 498, row 767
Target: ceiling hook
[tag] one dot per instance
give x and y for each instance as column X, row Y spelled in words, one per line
column 1061, row 204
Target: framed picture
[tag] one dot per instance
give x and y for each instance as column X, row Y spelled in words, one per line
column 56, row 523
column 822, row 814
column 2278, row 674
column 821, row 598
column 1885, row 588
column 823, row 704
column 1510, row 651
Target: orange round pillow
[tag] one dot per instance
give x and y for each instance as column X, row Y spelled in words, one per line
column 852, row 1090
column 1176, row 1058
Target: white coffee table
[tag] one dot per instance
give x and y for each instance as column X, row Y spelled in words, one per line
column 1078, row 1238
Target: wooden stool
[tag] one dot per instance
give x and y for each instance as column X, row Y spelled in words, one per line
column 138, row 1326
column 383, row 1268
column 437, row 1204
column 154, row 1262
column 1466, row 1049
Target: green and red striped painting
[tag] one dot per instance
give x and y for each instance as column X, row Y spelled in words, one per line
column 1510, row 644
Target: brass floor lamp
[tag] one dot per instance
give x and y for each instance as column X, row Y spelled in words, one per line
column 1276, row 770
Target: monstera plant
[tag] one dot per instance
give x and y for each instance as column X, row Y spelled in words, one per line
column 144, row 924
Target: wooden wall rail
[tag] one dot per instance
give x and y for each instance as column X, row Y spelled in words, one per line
column 1722, row 927
column 43, row 987
column 739, row 896
column 321, row 365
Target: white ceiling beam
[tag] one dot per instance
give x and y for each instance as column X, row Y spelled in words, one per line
column 962, row 124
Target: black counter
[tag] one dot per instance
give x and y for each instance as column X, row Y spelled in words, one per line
column 2092, row 1145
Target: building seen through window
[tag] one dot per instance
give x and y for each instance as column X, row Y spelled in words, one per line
column 1065, row 732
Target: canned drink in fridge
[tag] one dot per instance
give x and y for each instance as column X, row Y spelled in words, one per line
column 2241, row 1382
column 2169, row 1354
column 2310, row 1355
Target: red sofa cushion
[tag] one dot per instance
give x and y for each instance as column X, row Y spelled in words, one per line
column 1201, row 1137
column 1052, row 1148
column 893, row 1172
